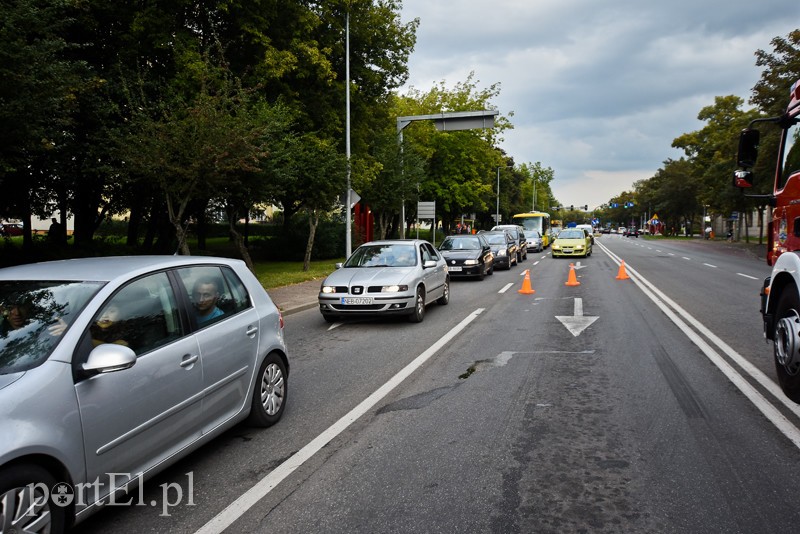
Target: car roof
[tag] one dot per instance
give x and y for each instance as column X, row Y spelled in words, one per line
column 103, row 269
column 396, row 242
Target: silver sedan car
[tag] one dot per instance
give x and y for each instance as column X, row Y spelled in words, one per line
column 399, row 277
column 111, row 369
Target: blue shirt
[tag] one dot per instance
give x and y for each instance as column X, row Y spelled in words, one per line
column 216, row 312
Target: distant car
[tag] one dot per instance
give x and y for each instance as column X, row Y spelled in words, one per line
column 108, row 375
column 632, row 232
column 504, row 248
column 518, row 233
column 10, row 229
column 390, row 277
column 621, row 230
column 572, row 242
column 467, row 255
column 535, row 241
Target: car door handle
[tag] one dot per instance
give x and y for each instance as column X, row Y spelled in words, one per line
column 189, row 360
column 251, row 331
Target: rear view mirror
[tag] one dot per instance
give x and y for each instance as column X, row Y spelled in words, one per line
column 748, row 148
column 742, row 179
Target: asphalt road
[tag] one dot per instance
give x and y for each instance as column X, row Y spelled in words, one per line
column 637, row 405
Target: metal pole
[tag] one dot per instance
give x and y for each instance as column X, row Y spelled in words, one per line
column 348, row 230
column 533, row 203
column 497, row 209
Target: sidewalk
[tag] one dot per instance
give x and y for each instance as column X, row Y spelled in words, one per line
column 296, row 297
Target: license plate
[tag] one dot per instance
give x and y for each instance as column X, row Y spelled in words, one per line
column 454, row 269
column 356, row 300
column 567, row 250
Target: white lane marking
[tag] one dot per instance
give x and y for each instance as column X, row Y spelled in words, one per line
column 536, row 263
column 786, row 427
column 685, row 258
column 747, row 276
column 505, row 288
column 709, row 265
column 237, row 508
column 577, row 322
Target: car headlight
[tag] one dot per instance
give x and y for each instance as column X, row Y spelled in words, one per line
column 394, row 289
column 501, row 252
column 556, row 246
column 471, row 262
column 328, row 289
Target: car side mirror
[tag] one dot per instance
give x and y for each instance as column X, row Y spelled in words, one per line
column 108, row 358
column 428, row 264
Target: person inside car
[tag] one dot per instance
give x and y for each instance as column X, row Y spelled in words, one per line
column 205, row 296
column 108, row 327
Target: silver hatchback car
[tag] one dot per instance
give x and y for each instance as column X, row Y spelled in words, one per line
column 111, row 369
column 390, row 277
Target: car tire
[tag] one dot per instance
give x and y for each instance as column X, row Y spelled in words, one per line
column 482, row 274
column 491, row 270
column 444, row 300
column 269, row 393
column 419, row 308
column 23, row 483
column 787, row 322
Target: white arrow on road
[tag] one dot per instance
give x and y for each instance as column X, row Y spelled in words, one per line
column 577, row 322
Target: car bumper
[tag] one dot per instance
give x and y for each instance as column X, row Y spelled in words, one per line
column 379, row 305
column 570, row 253
column 471, row 270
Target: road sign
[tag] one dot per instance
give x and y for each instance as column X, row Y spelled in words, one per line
column 426, row 210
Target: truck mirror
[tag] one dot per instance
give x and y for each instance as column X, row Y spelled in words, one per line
column 748, row 148
column 742, row 179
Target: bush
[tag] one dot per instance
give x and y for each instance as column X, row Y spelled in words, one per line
column 328, row 242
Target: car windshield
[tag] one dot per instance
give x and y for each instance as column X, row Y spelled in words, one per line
column 34, row 316
column 385, row 255
column 461, row 243
column 571, row 234
column 496, row 239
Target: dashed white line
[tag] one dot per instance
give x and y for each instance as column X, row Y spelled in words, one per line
column 747, row 276
column 709, row 265
column 505, row 288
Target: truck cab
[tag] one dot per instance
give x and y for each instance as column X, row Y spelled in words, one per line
column 780, row 295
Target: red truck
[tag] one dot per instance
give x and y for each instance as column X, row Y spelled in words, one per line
column 780, row 296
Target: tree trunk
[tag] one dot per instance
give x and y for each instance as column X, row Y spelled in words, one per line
column 238, row 240
column 180, row 231
column 313, row 221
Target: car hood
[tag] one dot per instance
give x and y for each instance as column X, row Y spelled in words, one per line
column 7, row 380
column 459, row 254
column 570, row 242
column 369, row 276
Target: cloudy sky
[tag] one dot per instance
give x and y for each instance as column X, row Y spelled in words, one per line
column 598, row 88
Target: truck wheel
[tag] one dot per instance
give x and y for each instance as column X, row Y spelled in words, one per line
column 787, row 343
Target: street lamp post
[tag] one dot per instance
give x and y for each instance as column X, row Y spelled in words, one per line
column 497, row 207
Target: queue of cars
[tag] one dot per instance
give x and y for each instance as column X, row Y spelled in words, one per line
column 111, row 369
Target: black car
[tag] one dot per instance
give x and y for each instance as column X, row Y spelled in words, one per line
column 467, row 255
column 632, row 232
column 518, row 233
column 504, row 248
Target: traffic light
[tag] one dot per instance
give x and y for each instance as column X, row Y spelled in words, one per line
column 585, row 207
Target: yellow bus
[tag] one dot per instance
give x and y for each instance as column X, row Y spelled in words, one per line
column 538, row 221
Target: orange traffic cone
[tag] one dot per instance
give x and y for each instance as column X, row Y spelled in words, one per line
column 526, row 284
column 622, row 275
column 572, row 280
